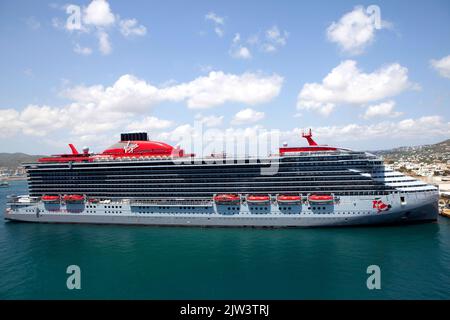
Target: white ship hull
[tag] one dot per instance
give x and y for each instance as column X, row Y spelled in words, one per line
column 347, row 211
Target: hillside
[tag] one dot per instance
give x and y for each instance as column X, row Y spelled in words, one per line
column 13, row 160
column 439, row 152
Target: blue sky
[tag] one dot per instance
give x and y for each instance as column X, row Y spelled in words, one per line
column 237, row 66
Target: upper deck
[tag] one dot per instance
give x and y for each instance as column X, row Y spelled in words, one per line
column 137, row 147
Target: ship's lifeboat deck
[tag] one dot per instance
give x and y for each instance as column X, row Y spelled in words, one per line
column 224, row 198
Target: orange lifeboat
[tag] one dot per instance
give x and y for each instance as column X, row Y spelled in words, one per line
column 289, row 198
column 227, row 198
column 50, row 199
column 321, row 198
column 73, row 198
column 258, row 198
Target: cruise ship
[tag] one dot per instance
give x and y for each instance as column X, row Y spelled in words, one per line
column 142, row 182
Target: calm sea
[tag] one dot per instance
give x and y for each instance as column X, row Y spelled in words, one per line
column 132, row 262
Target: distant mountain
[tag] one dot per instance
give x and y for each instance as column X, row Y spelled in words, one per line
column 439, row 152
column 13, row 160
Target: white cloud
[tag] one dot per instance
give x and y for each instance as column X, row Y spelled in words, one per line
column 85, row 127
column 149, row 124
column 219, row 31
column 131, row 93
column 237, row 38
column 237, row 50
column 275, row 36
column 97, row 19
column 407, row 128
column 185, row 131
column 384, row 109
column 374, row 136
column 76, row 118
column 127, row 94
column 94, row 122
column 130, row 27
column 442, row 66
column 37, row 120
column 209, row 121
column 380, row 135
column 268, row 47
column 103, row 43
column 203, row 142
column 242, row 53
column 218, row 88
column 274, row 39
column 218, row 22
column 85, row 51
column 346, row 84
column 247, row 116
column 355, row 30
column 97, row 109
column 365, row 137
column 98, row 13
column 206, row 68
column 215, row 18
column 9, row 122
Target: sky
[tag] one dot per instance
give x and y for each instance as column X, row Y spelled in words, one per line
column 363, row 75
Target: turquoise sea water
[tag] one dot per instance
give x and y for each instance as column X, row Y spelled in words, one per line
column 132, row 262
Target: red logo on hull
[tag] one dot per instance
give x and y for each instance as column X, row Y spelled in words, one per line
column 380, row 205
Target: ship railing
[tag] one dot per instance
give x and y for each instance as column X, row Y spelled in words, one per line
column 322, row 153
column 208, row 158
column 162, row 202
